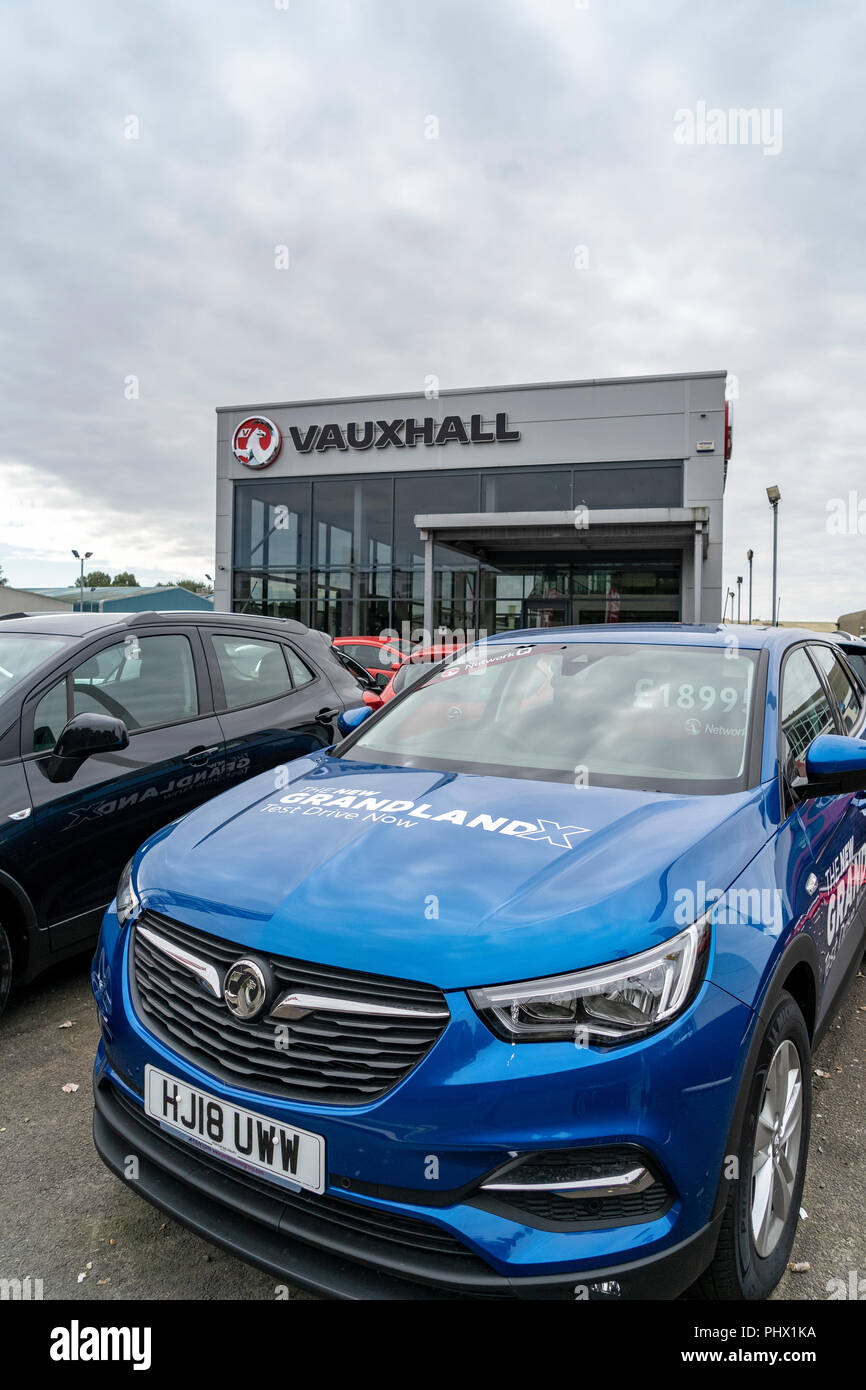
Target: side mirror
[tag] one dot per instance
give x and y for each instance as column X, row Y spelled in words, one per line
column 84, row 735
column 834, row 765
column 349, row 720
column 373, row 699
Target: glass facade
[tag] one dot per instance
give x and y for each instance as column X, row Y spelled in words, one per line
column 344, row 555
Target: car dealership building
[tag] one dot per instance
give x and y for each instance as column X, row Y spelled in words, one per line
column 505, row 507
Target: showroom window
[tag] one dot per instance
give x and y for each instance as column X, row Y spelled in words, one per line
column 346, row 602
column 274, row 595
column 272, row 522
column 352, row 522
column 422, row 495
column 536, row 489
column 350, row 561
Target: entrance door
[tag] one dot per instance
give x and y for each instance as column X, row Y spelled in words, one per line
column 545, row 612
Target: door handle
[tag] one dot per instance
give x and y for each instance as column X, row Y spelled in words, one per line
column 326, row 715
column 198, row 756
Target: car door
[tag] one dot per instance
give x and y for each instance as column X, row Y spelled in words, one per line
column 827, row 888
column 273, row 703
column 84, row 830
column 846, row 919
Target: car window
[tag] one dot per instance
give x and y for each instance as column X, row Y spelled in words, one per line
column 857, row 662
column 806, row 711
column 145, row 681
column 21, row 653
column 845, row 697
column 616, row 714
column 360, row 673
column 365, row 652
column 251, row 670
column 410, row 673
column 300, row 671
column 49, row 718
column 368, row 654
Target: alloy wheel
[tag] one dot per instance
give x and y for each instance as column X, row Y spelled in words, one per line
column 776, row 1151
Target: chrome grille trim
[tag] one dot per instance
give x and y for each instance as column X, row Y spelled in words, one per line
column 351, row 1039
column 201, row 969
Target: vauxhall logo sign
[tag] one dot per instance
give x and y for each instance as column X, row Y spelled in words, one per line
column 251, row 448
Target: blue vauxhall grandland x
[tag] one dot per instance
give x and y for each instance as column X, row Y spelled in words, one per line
column 513, row 991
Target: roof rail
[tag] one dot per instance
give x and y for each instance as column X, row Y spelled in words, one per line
column 199, row 614
column 140, row 615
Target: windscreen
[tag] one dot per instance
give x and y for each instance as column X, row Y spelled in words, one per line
column 21, row 653
column 611, row 713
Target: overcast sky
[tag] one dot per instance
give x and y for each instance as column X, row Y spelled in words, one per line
column 305, row 123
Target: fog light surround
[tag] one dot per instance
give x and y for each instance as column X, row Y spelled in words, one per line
column 578, row 1189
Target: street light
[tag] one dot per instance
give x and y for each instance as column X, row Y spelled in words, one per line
column 739, row 594
column 750, row 556
column 86, row 556
column 774, row 497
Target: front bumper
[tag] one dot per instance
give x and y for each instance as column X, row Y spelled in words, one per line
column 382, row 1229
column 298, row 1240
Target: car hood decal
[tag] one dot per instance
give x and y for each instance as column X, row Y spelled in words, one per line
column 451, row 878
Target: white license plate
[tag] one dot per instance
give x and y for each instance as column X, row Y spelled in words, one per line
column 258, row 1143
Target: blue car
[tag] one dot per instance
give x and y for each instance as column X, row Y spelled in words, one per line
column 512, row 992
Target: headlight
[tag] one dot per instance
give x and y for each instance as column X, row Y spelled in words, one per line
column 127, row 899
column 608, row 1004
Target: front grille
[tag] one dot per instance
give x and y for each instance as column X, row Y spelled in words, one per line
column 329, row 1056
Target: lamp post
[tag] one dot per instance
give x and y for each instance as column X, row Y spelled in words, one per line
column 86, row 556
column 774, row 497
column 739, row 594
column 750, row 556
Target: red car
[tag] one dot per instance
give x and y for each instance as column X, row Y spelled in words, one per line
column 413, row 667
column 379, row 655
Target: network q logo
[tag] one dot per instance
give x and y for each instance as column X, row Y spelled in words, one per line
column 256, row 442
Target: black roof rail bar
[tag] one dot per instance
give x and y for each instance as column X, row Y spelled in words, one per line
column 130, row 619
column 148, row 614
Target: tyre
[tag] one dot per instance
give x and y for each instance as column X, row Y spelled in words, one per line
column 763, row 1206
column 5, row 969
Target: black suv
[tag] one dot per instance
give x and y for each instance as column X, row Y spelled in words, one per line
column 111, row 727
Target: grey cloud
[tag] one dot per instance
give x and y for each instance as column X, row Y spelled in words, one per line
column 456, row 256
